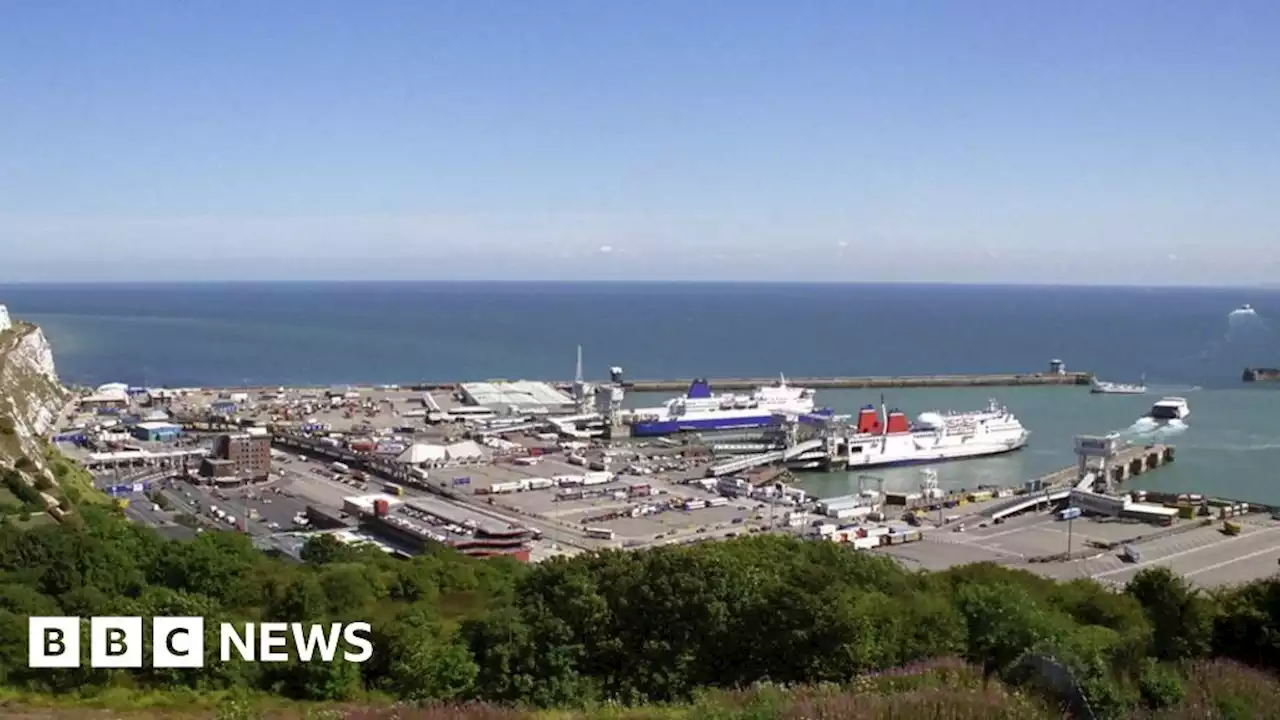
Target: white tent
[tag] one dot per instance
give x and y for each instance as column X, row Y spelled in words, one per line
column 422, row 454
column 464, row 451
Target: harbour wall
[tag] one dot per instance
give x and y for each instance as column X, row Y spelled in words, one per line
column 854, row 382
column 819, row 383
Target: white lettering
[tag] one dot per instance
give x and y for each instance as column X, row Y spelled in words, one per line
column 352, row 635
column 229, row 637
column 316, row 636
column 271, row 637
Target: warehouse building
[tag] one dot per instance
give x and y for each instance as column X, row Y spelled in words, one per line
column 155, row 431
column 519, row 397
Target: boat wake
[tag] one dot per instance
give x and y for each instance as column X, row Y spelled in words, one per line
column 1145, row 427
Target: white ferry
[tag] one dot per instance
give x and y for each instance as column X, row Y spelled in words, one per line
column 886, row 438
column 1169, row 409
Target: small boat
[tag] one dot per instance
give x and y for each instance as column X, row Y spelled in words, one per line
column 1170, row 408
column 1099, row 387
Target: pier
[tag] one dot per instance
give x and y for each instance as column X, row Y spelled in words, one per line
column 883, row 381
column 1118, row 465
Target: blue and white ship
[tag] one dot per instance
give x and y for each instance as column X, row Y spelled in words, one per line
column 699, row 410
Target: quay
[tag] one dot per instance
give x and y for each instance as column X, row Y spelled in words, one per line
column 1054, row 487
column 851, row 382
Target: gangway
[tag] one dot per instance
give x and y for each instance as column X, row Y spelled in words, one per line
column 744, row 447
column 570, row 419
column 1086, row 482
column 746, row 463
column 1027, row 502
column 522, row 427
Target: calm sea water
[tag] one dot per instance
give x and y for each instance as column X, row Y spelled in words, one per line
column 1186, row 341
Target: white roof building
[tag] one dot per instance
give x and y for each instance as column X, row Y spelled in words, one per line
column 465, row 450
column 421, row 454
column 522, row 394
column 109, row 395
column 429, row 454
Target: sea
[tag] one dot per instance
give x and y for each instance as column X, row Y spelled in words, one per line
column 1190, row 342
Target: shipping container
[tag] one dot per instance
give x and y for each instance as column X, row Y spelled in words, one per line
column 381, row 507
column 718, row 502
column 600, row 533
column 540, row 483
column 865, row 543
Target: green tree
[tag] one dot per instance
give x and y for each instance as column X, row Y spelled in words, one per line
column 1003, row 623
column 1181, row 618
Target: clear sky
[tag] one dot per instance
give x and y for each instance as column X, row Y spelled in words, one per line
column 960, row 140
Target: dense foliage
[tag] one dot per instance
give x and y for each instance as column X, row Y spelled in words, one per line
column 634, row 627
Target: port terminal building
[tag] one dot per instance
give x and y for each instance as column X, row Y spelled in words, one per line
column 519, row 397
column 414, row 524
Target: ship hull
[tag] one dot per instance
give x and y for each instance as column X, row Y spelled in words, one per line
column 1261, row 375
column 912, row 455
column 658, row 428
column 938, row 460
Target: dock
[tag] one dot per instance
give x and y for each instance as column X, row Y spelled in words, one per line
column 871, row 381
column 1128, row 462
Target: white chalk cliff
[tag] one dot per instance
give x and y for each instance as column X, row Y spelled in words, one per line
column 30, row 394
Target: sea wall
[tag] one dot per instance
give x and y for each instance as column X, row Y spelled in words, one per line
column 30, row 394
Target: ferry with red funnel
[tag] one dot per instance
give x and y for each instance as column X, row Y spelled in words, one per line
column 887, row 438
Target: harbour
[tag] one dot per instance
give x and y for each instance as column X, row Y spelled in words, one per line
column 388, row 465
column 532, row 469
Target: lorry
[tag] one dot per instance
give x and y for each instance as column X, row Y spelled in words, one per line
column 339, row 468
column 1069, row 513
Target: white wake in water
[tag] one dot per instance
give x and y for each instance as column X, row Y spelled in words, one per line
column 1145, row 427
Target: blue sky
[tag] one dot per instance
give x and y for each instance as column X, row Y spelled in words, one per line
column 975, row 141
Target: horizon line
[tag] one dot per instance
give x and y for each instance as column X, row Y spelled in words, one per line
column 503, row 281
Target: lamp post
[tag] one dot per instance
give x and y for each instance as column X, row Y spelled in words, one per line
column 1071, row 518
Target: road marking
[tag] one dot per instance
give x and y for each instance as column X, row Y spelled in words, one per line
column 1225, row 563
column 1180, row 553
column 1020, row 528
column 1074, row 534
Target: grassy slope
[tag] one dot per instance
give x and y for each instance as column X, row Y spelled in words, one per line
column 944, row 690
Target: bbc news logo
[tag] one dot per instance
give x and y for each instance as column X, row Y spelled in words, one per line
column 178, row 642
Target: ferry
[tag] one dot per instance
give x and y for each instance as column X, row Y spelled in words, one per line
column 699, row 410
column 1099, row 387
column 1170, row 409
column 884, row 439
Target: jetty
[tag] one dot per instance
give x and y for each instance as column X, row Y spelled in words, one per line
column 871, row 381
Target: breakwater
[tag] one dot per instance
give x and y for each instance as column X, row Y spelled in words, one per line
column 883, row 381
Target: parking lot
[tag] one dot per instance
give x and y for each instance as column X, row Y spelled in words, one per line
column 1203, row 554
